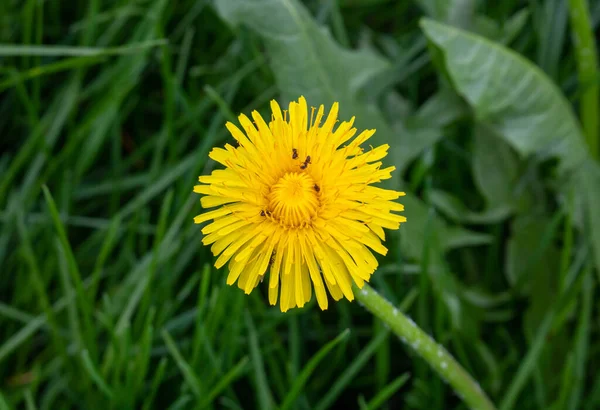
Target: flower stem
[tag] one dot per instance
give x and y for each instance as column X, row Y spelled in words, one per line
column 434, row 354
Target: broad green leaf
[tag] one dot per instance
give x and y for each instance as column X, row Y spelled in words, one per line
column 519, row 103
column 511, row 95
column 495, row 169
column 307, row 61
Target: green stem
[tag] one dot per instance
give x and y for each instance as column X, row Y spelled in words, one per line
column 434, row 354
column 587, row 68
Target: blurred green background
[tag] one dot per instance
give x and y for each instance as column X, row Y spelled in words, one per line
column 108, row 109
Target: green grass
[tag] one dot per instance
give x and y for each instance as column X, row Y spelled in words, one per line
column 108, row 300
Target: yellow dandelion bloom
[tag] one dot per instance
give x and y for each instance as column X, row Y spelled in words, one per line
column 295, row 199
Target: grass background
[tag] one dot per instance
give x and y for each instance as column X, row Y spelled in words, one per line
column 108, row 300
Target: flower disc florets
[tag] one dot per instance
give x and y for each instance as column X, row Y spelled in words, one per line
column 295, row 200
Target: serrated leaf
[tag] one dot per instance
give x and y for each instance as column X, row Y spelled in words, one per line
column 307, row 61
column 522, row 105
column 511, row 95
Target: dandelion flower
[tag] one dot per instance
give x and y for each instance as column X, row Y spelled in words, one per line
column 296, row 200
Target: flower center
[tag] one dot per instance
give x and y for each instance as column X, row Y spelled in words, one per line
column 293, row 199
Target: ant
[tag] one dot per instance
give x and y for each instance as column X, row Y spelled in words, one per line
column 316, row 187
column 271, row 262
column 306, row 162
column 294, row 153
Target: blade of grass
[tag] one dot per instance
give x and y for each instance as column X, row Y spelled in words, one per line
column 14, row 313
column 169, row 244
column 160, row 231
column 166, row 132
column 528, row 362
column 306, row 372
column 94, row 375
column 39, row 286
column 587, row 66
column 184, row 55
column 29, row 402
column 143, row 357
column 88, row 332
column 362, row 403
column 110, row 241
column 186, row 370
column 294, row 347
column 26, row 100
column 158, row 186
column 51, row 68
column 21, row 336
column 387, row 392
column 221, row 103
column 33, row 326
column 3, row 403
column 237, row 371
column 201, row 308
column 566, row 384
column 182, row 402
column 46, row 133
column 582, row 341
column 265, row 397
column 352, row 370
column 156, row 381
column 39, row 34
column 382, row 357
column 70, row 295
column 49, row 50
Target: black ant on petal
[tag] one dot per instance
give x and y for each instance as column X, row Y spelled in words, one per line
column 305, row 163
